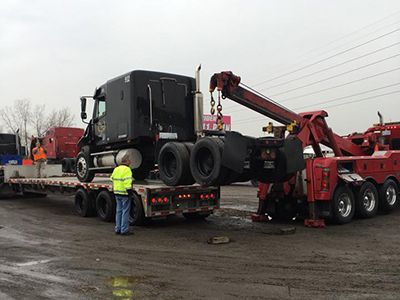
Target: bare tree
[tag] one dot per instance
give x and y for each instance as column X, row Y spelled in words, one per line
column 62, row 117
column 18, row 117
column 39, row 120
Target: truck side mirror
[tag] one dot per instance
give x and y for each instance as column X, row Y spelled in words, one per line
column 83, row 108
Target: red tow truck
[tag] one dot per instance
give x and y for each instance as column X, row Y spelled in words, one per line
column 362, row 176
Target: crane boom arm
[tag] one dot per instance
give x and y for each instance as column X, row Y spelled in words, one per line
column 312, row 128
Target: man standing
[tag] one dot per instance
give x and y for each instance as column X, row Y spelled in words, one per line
column 39, row 158
column 122, row 187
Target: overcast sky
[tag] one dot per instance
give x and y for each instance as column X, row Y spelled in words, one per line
column 52, row 52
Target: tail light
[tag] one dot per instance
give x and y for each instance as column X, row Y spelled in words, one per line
column 325, row 179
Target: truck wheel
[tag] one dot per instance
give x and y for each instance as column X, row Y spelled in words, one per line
column 84, row 203
column 389, row 196
column 196, row 216
column 343, row 206
column 65, row 165
column 105, row 206
column 137, row 216
column 205, row 162
column 173, row 163
column 189, row 180
column 367, row 200
column 83, row 163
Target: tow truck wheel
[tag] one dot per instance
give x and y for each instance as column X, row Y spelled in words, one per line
column 105, row 206
column 173, row 163
column 83, row 163
column 389, row 196
column 136, row 216
column 343, row 205
column 84, row 203
column 367, row 200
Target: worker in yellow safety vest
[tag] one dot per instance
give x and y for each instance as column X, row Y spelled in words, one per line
column 39, row 159
column 122, row 187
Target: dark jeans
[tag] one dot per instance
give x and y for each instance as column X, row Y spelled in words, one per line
column 122, row 213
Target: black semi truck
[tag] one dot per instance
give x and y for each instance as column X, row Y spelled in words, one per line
column 153, row 117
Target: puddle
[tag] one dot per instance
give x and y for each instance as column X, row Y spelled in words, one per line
column 123, row 287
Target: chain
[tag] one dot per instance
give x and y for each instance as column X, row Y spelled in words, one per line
column 220, row 121
column 212, row 103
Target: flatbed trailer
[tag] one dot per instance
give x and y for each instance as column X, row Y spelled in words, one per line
column 152, row 199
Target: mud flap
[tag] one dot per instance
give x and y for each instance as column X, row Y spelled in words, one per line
column 235, row 151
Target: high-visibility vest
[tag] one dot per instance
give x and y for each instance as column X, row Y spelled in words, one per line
column 122, row 180
column 39, row 154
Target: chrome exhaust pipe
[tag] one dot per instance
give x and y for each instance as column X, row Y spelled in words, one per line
column 198, row 105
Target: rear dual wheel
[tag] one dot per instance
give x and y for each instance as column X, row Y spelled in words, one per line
column 389, row 196
column 367, row 200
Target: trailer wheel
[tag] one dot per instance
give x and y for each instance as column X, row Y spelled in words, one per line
column 73, row 165
column 205, row 162
column 367, row 200
column 83, row 163
column 196, row 216
column 343, row 205
column 389, row 196
column 173, row 164
column 65, row 165
column 105, row 206
column 84, row 203
column 137, row 216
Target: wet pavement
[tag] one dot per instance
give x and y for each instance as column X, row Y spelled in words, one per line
column 47, row 252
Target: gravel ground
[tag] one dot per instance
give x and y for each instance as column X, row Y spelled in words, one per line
column 47, row 252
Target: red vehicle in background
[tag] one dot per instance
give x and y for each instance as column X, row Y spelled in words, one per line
column 61, row 146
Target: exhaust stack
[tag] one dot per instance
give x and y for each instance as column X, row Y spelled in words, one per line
column 198, row 105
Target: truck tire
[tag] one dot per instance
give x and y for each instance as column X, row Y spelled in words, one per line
column 174, row 164
column 343, row 205
column 65, row 166
column 205, row 162
column 190, row 180
column 367, row 200
column 105, row 206
column 83, row 163
column 84, row 203
column 389, row 196
column 137, row 216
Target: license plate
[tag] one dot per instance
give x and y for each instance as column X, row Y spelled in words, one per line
column 269, row 164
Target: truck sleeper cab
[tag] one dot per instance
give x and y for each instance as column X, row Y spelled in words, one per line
column 136, row 114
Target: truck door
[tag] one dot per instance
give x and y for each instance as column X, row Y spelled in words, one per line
column 99, row 120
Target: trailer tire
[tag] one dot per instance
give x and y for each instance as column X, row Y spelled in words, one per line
column 174, row 164
column 137, row 216
column 73, row 165
column 205, row 162
column 105, row 206
column 367, row 200
column 389, row 196
column 65, row 166
column 83, row 163
column 84, row 203
column 343, row 205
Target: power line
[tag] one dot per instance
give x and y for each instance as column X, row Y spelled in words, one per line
column 337, row 75
column 341, row 85
column 335, row 99
column 363, row 99
column 349, row 96
column 334, row 66
column 326, row 89
column 329, row 57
